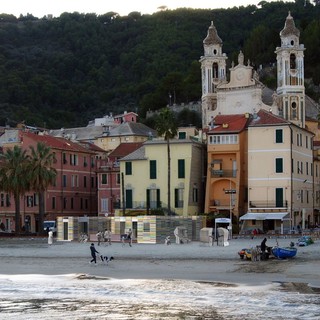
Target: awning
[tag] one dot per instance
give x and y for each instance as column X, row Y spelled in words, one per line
column 266, row 216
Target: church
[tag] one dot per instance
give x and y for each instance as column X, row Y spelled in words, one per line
column 263, row 168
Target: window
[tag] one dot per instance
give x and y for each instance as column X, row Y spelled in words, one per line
column 181, row 170
column 129, row 203
column 92, row 182
column 223, row 139
column 153, row 169
column 84, row 181
column 146, row 227
column 104, row 205
column 81, row 203
column 104, row 179
column 178, row 198
column 8, row 203
column 53, row 202
column 29, row 201
column 279, row 136
column 85, row 162
column 64, row 180
column 75, row 159
column 2, row 200
column 64, row 158
column 64, row 203
column 128, row 168
column 279, row 165
column 182, row 135
column 195, row 195
column 153, row 198
column 86, row 204
column 71, row 203
column 118, row 178
column 279, row 197
column 74, row 181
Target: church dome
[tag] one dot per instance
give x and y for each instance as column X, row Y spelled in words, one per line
column 289, row 28
column 212, row 36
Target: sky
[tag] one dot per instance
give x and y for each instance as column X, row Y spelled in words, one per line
column 41, row 8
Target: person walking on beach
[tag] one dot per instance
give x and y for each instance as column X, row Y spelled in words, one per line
column 99, row 237
column 93, row 253
column 107, row 237
column 129, row 237
column 50, row 237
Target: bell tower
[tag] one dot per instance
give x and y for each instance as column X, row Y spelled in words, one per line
column 290, row 74
column 213, row 70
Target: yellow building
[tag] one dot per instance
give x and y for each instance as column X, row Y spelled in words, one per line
column 144, row 179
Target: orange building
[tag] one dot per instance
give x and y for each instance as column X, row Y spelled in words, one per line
column 227, row 166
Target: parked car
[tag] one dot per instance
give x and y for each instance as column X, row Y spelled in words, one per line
column 52, row 225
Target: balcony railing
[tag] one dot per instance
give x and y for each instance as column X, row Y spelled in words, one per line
column 222, row 203
column 268, row 204
column 223, row 173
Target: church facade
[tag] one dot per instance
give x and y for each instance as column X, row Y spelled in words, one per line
column 261, row 167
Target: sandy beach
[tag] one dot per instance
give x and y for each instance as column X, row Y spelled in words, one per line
column 193, row 261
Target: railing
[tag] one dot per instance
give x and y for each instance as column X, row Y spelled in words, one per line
column 268, row 204
column 222, row 203
column 223, row 173
column 148, row 208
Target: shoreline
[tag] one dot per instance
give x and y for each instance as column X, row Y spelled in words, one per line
column 194, row 261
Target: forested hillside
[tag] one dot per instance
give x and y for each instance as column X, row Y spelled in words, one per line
column 64, row 71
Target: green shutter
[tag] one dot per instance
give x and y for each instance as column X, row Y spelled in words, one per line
column 148, row 198
column 181, row 169
column 279, row 197
column 279, row 165
column 153, row 169
column 129, row 199
column 176, row 198
column 279, row 136
column 128, row 168
column 158, row 199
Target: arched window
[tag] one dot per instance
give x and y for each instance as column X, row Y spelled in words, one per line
column 292, row 61
column 215, row 71
column 294, row 110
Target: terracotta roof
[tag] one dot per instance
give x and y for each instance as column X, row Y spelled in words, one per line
column 124, row 149
column 229, row 123
column 56, row 143
column 264, row 117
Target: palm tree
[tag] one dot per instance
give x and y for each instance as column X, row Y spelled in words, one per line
column 166, row 126
column 41, row 175
column 13, row 177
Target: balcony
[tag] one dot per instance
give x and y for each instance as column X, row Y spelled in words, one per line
column 268, row 204
column 223, row 173
column 222, row 203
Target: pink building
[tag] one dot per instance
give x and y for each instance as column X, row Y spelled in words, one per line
column 109, row 178
column 74, row 192
column 125, row 117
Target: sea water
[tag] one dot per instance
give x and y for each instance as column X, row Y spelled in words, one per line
column 80, row 297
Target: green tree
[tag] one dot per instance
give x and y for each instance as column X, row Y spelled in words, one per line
column 41, row 174
column 13, row 177
column 166, row 126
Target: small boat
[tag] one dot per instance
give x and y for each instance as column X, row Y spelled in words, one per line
column 284, row 252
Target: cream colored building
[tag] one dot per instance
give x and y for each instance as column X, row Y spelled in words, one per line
column 280, row 176
column 145, row 178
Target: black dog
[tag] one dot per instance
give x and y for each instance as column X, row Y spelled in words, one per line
column 106, row 259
